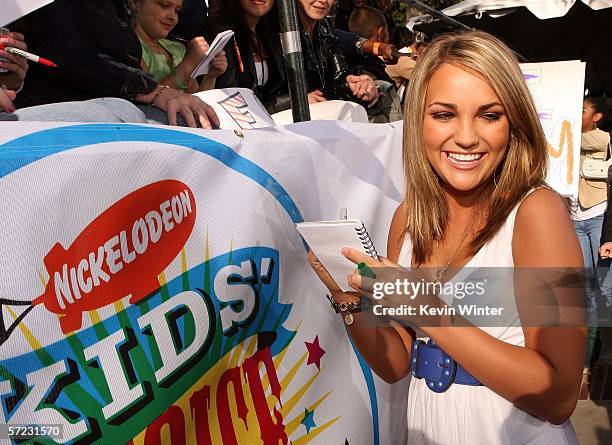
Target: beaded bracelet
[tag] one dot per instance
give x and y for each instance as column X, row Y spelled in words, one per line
column 344, row 306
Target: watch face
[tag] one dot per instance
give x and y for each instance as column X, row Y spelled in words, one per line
column 348, row 319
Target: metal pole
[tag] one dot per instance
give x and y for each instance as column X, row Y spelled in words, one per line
column 435, row 13
column 294, row 63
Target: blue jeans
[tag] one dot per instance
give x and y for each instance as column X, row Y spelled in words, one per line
column 599, row 280
column 104, row 109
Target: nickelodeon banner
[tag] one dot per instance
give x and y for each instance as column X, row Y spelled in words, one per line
column 154, row 290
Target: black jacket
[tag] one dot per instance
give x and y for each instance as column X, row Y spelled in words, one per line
column 324, row 63
column 273, row 95
column 97, row 52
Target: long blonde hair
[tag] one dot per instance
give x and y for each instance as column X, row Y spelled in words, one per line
column 523, row 166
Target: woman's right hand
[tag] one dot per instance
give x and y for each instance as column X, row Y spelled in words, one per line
column 329, row 282
column 17, row 67
column 605, row 251
column 315, row 97
column 6, row 100
column 193, row 109
column 197, row 48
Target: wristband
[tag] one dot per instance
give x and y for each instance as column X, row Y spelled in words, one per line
column 18, row 90
column 349, row 308
column 375, row 48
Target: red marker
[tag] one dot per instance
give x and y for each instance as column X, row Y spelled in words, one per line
column 27, row 55
column 240, row 64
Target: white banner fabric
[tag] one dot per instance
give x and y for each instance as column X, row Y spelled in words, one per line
column 154, row 289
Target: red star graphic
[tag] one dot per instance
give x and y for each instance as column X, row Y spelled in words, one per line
column 315, row 352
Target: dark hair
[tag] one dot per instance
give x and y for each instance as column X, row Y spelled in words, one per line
column 365, row 21
column 214, row 7
column 599, row 105
column 232, row 11
column 401, row 37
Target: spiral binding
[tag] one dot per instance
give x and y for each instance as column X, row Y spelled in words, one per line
column 365, row 239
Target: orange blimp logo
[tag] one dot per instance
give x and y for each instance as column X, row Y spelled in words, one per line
column 119, row 253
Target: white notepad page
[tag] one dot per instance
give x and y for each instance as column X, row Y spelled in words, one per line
column 327, row 238
column 215, row 48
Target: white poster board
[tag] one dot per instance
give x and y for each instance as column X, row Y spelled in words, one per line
column 12, row 10
column 557, row 89
column 237, row 108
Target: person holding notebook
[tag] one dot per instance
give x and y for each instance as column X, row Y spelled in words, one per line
column 255, row 57
column 169, row 62
column 475, row 166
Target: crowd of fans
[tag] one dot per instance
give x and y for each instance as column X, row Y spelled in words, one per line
column 132, row 60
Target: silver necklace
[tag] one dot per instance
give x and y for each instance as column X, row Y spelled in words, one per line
column 438, row 276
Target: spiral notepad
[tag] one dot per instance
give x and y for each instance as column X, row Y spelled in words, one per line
column 327, row 238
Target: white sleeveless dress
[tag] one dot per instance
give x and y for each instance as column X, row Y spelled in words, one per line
column 473, row 415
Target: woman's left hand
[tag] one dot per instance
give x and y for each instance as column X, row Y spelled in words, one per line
column 363, row 88
column 6, row 101
column 605, row 251
column 391, row 287
column 218, row 65
column 17, row 66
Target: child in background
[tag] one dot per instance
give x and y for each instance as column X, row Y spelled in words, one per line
column 169, row 62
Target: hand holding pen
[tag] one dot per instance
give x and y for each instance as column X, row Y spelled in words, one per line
column 27, row 55
column 14, row 48
column 13, row 66
column 13, row 69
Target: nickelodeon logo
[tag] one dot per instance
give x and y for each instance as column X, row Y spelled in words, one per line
column 120, row 252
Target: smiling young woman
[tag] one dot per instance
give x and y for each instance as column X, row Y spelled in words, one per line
column 311, row 11
column 498, row 125
column 474, row 162
column 465, row 135
column 255, row 56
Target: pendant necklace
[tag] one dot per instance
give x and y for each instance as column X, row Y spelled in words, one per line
column 438, row 276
